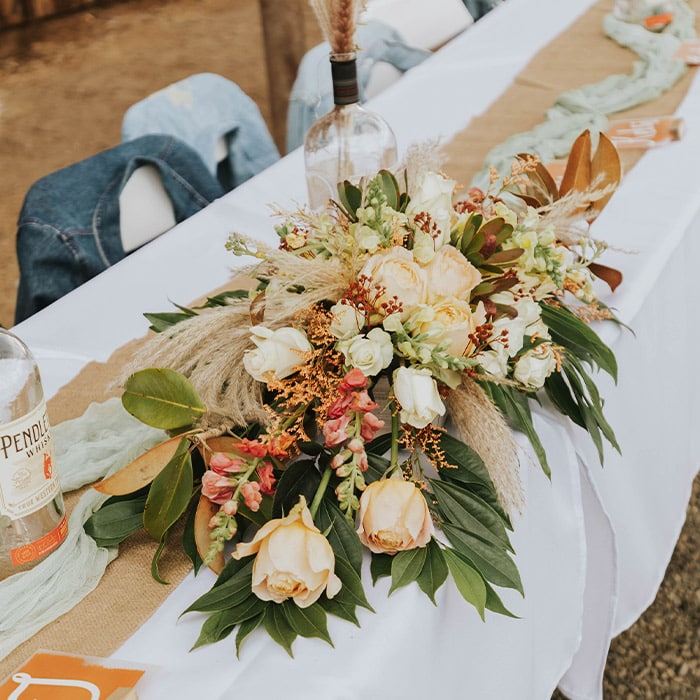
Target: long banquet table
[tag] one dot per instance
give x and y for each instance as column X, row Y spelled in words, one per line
column 592, row 544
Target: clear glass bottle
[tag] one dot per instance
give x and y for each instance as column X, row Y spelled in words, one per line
column 652, row 14
column 32, row 516
column 347, row 143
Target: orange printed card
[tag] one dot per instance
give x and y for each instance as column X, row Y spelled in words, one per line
column 53, row 676
column 689, row 51
column 645, row 132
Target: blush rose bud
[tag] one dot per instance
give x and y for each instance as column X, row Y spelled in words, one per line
column 394, row 517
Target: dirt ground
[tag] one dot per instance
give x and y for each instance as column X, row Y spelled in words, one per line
column 64, row 86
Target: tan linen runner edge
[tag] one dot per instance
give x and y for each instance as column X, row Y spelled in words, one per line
column 127, row 595
column 567, row 62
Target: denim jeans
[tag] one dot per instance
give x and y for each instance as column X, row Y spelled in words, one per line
column 200, row 110
column 312, row 92
column 68, row 227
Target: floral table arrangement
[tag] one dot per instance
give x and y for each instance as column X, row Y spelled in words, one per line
column 356, row 394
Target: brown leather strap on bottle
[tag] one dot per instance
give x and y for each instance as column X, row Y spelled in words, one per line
column 344, row 72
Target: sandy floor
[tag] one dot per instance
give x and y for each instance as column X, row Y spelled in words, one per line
column 64, row 86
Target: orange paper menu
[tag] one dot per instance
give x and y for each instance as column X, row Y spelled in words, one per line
column 54, row 676
column 645, row 132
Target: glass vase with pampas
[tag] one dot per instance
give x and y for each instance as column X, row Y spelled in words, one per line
column 350, row 141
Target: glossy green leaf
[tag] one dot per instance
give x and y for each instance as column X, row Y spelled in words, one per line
column 245, row 629
column 189, row 544
column 340, row 533
column 307, row 622
column 495, row 604
column 222, row 622
column 169, row 494
column 276, row 625
column 434, row 571
column 227, row 593
column 352, row 590
column 467, row 510
column 162, row 398
column 379, row 566
column 116, row 521
column 406, row 567
column 464, row 458
column 390, row 188
column 155, row 561
column 300, row 477
column 468, row 581
column 492, row 563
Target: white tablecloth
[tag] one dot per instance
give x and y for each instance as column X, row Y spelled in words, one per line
column 593, row 543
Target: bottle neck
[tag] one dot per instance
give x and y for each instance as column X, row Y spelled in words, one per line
column 346, row 90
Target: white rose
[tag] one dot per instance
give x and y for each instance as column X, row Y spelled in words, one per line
column 347, row 321
column 450, row 274
column 494, row 362
column 535, row 366
column 400, row 275
column 528, row 309
column 433, row 197
column 278, row 353
column 417, row 394
column 514, row 334
column 371, row 353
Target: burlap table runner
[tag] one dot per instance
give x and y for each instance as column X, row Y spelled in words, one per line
column 127, row 595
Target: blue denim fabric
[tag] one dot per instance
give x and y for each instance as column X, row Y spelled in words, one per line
column 200, row 110
column 312, row 93
column 68, row 227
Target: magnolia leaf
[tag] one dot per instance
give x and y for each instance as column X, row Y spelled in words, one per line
column 257, row 309
column 468, row 581
column 206, row 510
column 169, row 494
column 189, row 546
column 245, row 629
column 228, row 444
column 505, row 256
column 529, row 200
column 577, row 175
column 542, row 182
column 406, row 567
column 307, row 622
column 609, row 275
column 155, row 561
column 606, row 171
column 162, row 398
column 142, row 470
column 115, row 521
column 434, row 571
column 492, row 563
column 278, row 628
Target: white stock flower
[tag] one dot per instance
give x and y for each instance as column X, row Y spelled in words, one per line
column 367, row 238
column 347, row 321
column 535, row 366
column 371, row 353
column 417, row 394
column 277, row 354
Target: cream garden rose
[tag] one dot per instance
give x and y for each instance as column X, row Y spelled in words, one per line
column 450, row 274
column 452, row 323
column 346, row 321
column 277, row 353
column 294, row 560
column 533, row 368
column 401, row 276
column 418, row 397
column 393, row 517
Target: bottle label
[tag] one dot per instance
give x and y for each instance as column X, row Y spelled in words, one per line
column 37, row 549
column 28, row 478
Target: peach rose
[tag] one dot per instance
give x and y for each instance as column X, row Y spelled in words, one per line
column 294, row 560
column 393, row 517
column 450, row 274
column 456, row 320
column 400, row 275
